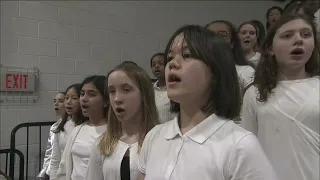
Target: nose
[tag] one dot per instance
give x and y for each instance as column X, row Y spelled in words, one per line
column 174, row 64
column 84, row 98
column 118, row 98
column 298, row 40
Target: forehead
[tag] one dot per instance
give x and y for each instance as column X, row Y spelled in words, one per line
column 59, row 96
column 247, row 27
column 273, row 11
column 158, row 58
column 294, row 25
column 219, row 26
column 119, row 77
column 71, row 91
column 89, row 86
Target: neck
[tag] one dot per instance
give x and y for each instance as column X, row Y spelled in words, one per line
column 73, row 118
column 97, row 120
column 161, row 82
column 190, row 116
column 130, row 128
column 130, row 131
column 249, row 54
column 292, row 74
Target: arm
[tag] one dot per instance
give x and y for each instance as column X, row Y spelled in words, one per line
column 47, row 154
column 248, row 114
column 94, row 170
column 248, row 161
column 55, row 157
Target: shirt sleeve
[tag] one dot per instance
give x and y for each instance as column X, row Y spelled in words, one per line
column 94, row 170
column 248, row 115
column 146, row 148
column 55, row 157
column 247, row 75
column 249, row 162
column 47, row 154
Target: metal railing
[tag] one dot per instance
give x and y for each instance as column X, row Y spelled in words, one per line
column 13, row 152
column 13, row 145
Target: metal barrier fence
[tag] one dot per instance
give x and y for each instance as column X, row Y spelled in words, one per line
column 26, row 154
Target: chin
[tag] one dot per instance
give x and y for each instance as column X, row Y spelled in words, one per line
column 174, row 98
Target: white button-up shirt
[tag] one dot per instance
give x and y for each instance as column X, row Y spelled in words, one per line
column 109, row 167
column 163, row 104
column 214, row 149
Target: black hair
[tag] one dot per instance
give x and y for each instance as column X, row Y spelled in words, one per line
column 206, row 46
column 297, row 8
column 262, row 32
column 129, row 62
column 79, row 119
column 100, row 82
column 155, row 55
column 292, row 2
column 239, row 57
column 268, row 12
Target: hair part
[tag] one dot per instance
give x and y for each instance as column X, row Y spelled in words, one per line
column 149, row 110
column 224, row 97
column 266, row 75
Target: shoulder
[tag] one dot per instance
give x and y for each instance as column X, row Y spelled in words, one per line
column 234, row 132
column 252, row 91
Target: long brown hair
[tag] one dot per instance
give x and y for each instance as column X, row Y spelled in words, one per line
column 266, row 75
column 149, row 110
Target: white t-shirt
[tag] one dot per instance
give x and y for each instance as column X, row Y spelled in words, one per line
column 287, row 127
column 214, row 149
column 245, row 74
column 255, row 59
column 81, row 149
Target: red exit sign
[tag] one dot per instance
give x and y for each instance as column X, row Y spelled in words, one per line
column 17, row 81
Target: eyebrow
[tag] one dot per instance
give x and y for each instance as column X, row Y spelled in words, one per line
column 124, row 84
column 293, row 30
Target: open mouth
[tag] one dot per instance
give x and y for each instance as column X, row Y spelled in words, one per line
column 120, row 110
column 173, row 78
column 84, row 107
column 297, row 52
column 246, row 42
column 56, row 109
